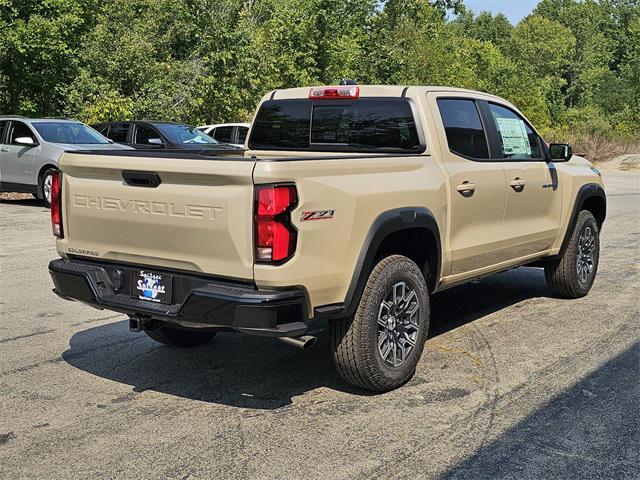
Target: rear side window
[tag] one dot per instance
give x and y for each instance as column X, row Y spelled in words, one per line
column 223, row 134
column 517, row 140
column 368, row 125
column 3, row 124
column 463, row 127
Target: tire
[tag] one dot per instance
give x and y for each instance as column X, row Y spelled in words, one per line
column 355, row 341
column 44, row 188
column 179, row 337
column 572, row 276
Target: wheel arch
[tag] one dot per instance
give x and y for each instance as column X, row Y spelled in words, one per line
column 412, row 232
column 590, row 197
column 43, row 169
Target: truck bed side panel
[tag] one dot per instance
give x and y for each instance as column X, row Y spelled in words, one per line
column 358, row 190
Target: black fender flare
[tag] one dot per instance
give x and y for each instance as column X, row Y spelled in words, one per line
column 587, row 191
column 388, row 222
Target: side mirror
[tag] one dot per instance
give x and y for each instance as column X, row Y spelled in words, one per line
column 560, row 152
column 110, row 141
column 155, row 141
column 27, row 141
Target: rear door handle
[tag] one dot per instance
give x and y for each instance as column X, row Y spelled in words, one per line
column 517, row 184
column 4, row 149
column 466, row 189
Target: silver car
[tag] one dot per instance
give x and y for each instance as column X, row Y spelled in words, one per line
column 30, row 149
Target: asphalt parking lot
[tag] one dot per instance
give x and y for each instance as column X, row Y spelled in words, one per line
column 513, row 383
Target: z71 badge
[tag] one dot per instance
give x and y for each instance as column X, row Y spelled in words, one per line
column 317, row 215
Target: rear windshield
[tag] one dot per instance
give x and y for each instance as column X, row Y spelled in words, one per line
column 367, row 125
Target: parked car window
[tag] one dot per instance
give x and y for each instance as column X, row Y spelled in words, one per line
column 223, row 134
column 144, row 133
column 118, row 132
column 517, row 140
column 3, row 124
column 282, row 124
column 463, row 127
column 18, row 130
column 242, row 134
column 184, row 134
column 362, row 125
column 69, row 132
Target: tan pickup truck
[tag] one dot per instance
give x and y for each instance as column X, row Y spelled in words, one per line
column 352, row 203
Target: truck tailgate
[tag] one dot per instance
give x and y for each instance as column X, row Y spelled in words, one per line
column 199, row 217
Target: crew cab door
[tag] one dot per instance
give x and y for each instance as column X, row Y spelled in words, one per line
column 477, row 185
column 534, row 196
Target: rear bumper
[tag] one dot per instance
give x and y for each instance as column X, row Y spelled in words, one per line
column 200, row 302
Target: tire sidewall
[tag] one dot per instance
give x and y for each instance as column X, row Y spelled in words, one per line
column 47, row 172
column 585, row 220
column 381, row 284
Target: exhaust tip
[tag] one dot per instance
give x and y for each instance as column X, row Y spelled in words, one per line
column 305, row 342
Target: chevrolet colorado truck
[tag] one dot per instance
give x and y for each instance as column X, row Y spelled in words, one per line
column 351, row 203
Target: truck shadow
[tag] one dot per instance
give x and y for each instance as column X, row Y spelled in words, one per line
column 263, row 373
column 25, row 202
column 586, row 431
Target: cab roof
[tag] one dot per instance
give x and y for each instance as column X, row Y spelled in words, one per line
column 380, row 91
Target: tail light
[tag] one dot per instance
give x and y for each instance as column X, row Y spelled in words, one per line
column 275, row 235
column 329, row 93
column 56, row 204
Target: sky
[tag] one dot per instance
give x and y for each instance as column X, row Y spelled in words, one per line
column 515, row 10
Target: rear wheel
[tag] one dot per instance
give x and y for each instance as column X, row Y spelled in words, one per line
column 179, row 337
column 379, row 348
column 45, row 187
column 574, row 273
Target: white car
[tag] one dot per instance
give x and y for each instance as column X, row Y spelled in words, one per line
column 233, row 133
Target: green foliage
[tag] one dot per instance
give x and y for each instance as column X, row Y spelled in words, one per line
column 572, row 66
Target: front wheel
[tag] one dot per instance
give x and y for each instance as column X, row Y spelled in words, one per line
column 179, row 337
column 45, row 187
column 574, row 273
column 378, row 348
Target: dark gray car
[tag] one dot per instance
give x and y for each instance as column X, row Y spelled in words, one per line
column 30, row 149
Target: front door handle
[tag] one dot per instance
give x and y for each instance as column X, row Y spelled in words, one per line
column 466, row 189
column 517, row 184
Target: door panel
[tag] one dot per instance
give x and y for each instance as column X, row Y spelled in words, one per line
column 534, row 197
column 478, row 187
column 18, row 160
column 476, row 236
column 532, row 216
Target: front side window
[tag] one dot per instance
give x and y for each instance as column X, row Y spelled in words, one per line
column 364, row 125
column 462, row 124
column 184, row 134
column 517, row 140
column 18, row 130
column 223, row 134
column 144, row 134
column 242, row 134
column 118, row 132
column 69, row 132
